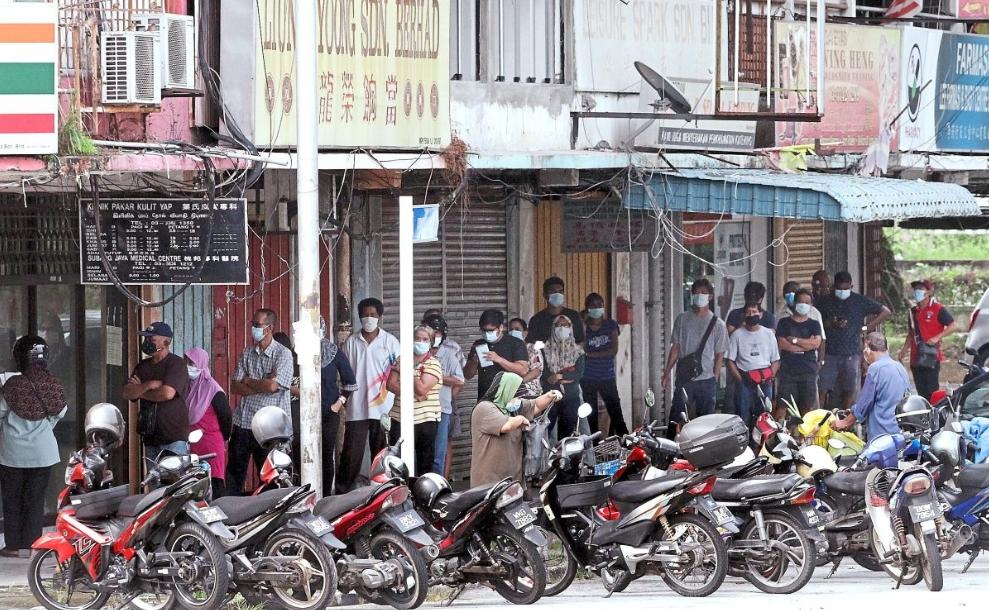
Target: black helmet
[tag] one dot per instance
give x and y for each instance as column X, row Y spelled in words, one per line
column 437, row 323
column 914, row 413
column 30, row 350
column 428, row 488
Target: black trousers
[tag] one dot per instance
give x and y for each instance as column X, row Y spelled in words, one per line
column 218, row 487
column 425, row 435
column 927, row 380
column 23, row 493
column 608, row 391
column 563, row 416
column 331, row 424
column 359, row 433
column 242, row 447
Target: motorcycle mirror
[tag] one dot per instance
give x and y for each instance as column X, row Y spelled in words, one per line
column 836, row 444
column 584, row 410
column 195, row 436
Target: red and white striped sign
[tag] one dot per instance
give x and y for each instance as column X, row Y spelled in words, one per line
column 904, row 8
column 28, row 78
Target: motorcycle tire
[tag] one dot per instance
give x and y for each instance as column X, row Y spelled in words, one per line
column 317, row 556
column 718, row 550
column 615, row 580
column 930, row 559
column 868, row 561
column 412, row 592
column 44, row 595
column 561, row 575
column 210, row 551
column 913, row 574
column 781, row 528
column 503, row 536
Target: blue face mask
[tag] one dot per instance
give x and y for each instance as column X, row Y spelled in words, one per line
column 492, row 336
column 803, row 309
column 556, row 299
column 257, row 334
column 420, row 347
column 919, row 295
column 595, row 313
column 514, row 405
column 843, row 294
column 790, row 298
column 517, row 334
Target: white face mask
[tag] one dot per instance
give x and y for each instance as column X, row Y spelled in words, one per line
column 802, row 309
column 518, row 334
column 700, row 301
column 369, row 324
column 562, row 333
column 492, row 336
column 556, row 299
column 194, row 372
column 438, row 341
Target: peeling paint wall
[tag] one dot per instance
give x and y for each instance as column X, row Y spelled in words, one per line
column 503, row 117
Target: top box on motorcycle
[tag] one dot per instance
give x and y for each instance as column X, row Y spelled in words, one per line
column 100, row 503
column 713, row 440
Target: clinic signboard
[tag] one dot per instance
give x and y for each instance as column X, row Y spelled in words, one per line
column 944, row 91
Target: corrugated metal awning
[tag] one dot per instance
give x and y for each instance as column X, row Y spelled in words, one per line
column 806, row 195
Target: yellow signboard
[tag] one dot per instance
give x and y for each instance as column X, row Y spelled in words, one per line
column 383, row 73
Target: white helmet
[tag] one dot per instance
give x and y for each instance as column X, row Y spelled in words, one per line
column 271, row 424
column 104, row 425
column 813, row 459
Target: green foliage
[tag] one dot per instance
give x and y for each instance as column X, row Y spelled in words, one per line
column 73, row 139
column 932, row 245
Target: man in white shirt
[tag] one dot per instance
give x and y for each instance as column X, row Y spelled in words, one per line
column 752, row 348
column 372, row 352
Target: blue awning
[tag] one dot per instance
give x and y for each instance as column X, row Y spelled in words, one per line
column 804, row 195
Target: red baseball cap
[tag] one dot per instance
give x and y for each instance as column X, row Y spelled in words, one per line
column 925, row 284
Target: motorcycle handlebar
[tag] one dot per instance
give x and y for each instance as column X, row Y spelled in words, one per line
column 595, row 436
column 207, row 456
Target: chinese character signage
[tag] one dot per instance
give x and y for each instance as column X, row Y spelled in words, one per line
column 383, row 73
column 163, row 241
column 28, row 72
column 945, row 92
column 861, row 84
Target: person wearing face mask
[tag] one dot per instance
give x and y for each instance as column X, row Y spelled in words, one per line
column 541, row 324
column 497, row 426
column 372, row 352
column 845, row 313
column 263, row 377
column 930, row 323
column 698, row 345
column 209, row 411
column 427, row 412
column 752, row 349
column 447, row 351
column 786, row 307
column 886, row 384
column 755, row 294
column 564, row 370
column 799, row 338
column 159, row 383
column 600, row 377
column 498, row 351
column 531, row 384
column 337, row 383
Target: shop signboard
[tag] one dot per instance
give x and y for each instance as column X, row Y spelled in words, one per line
column 28, row 79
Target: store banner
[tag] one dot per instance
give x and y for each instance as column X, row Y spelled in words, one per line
column 861, row 84
column 952, row 112
column 383, row 73
column 973, row 9
column 28, row 79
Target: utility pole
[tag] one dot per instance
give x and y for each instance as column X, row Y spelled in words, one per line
column 406, row 336
column 307, row 167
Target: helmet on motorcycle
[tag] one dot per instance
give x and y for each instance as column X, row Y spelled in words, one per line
column 428, row 488
column 812, row 460
column 30, row 350
column 271, row 424
column 946, row 447
column 104, row 426
column 914, row 413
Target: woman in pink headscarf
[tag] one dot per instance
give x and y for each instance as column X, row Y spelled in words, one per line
column 209, row 411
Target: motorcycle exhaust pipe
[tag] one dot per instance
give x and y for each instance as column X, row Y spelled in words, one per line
column 961, row 537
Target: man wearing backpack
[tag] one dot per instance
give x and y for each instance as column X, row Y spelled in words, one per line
column 699, row 342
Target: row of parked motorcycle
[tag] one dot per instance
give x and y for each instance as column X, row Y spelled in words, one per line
column 690, row 504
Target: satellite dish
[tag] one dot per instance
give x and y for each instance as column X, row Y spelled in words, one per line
column 666, row 90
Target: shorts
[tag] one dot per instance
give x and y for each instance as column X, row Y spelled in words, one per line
column 842, row 375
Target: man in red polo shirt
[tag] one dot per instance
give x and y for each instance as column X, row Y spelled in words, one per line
column 932, row 322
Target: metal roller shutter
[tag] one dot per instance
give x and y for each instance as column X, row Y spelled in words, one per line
column 804, row 254
column 463, row 274
column 190, row 316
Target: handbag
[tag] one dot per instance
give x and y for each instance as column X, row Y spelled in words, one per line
column 691, row 366
column 927, row 355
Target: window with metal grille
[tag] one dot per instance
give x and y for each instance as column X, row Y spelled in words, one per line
column 40, row 242
column 528, row 41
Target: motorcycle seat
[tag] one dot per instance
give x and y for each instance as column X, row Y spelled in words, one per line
column 244, row 508
column 851, row 482
column 735, row 490
column 452, row 505
column 132, row 506
column 639, row 491
column 332, row 507
column 974, row 476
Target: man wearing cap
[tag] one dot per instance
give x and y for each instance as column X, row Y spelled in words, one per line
column 930, row 322
column 159, row 382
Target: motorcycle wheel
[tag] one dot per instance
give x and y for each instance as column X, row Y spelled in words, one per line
column 787, row 569
column 527, row 582
column 154, row 601
column 930, row 559
column 911, row 571
column 712, row 567
column 411, row 591
column 615, row 580
column 826, row 505
column 561, row 568
column 46, row 577
column 313, row 566
column 206, row 588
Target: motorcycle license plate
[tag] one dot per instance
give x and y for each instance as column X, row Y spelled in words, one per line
column 319, row 526
column 723, row 516
column 409, row 520
column 813, row 519
column 212, row 514
column 522, row 516
column 924, row 512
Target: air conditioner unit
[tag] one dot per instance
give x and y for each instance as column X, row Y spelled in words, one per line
column 131, row 67
column 178, row 35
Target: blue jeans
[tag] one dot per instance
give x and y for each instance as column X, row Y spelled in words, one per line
column 178, row 448
column 701, row 397
column 442, row 441
column 747, row 402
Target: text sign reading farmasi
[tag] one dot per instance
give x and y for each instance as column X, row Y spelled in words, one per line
column 383, row 73
column 162, row 241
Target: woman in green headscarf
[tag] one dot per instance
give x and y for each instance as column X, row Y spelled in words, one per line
column 496, row 428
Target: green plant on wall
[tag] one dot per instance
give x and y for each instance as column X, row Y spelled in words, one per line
column 73, row 139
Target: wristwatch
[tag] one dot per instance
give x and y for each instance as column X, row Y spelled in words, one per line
column 793, row 340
